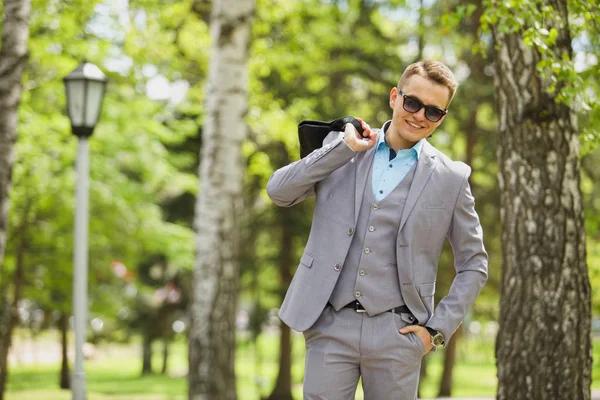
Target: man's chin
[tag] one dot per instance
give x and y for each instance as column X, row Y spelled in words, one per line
column 411, row 137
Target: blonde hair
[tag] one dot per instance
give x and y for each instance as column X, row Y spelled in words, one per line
column 434, row 71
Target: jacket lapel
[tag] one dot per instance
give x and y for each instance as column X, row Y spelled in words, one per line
column 425, row 166
column 363, row 166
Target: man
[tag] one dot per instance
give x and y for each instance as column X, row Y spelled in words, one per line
column 363, row 292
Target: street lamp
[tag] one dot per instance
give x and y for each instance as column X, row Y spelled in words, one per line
column 85, row 88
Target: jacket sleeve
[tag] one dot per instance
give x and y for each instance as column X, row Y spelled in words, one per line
column 470, row 261
column 295, row 182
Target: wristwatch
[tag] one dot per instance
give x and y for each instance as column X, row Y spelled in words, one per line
column 437, row 338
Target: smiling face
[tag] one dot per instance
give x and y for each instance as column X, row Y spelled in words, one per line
column 408, row 128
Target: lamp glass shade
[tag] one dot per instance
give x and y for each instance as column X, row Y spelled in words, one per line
column 93, row 103
column 75, row 100
column 85, row 92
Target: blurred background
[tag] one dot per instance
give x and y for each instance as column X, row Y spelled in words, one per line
column 309, row 59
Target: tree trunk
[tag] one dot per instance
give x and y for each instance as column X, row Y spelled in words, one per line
column 471, row 129
column 4, row 337
column 449, row 361
column 65, row 381
column 283, row 385
column 212, row 331
column 421, row 29
column 13, row 316
column 543, row 346
column 165, row 365
column 146, row 354
column 422, row 375
column 13, row 59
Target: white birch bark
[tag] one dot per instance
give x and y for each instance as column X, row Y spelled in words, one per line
column 212, row 332
column 13, row 59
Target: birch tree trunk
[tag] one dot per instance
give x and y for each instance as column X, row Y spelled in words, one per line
column 13, row 59
column 543, row 346
column 212, row 333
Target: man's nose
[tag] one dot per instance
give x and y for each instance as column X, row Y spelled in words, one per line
column 420, row 115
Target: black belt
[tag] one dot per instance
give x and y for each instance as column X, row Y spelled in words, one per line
column 359, row 308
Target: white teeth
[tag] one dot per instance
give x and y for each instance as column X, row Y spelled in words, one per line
column 413, row 125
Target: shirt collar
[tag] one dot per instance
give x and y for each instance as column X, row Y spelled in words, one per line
column 381, row 140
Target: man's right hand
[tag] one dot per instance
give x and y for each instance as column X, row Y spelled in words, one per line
column 357, row 142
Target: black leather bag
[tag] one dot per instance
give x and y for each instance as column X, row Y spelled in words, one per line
column 312, row 133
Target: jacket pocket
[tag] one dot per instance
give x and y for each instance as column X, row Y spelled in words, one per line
column 427, row 289
column 306, row 260
column 434, row 205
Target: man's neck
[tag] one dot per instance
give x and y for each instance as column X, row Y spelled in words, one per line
column 395, row 141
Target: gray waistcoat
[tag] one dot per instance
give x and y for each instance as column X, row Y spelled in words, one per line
column 370, row 273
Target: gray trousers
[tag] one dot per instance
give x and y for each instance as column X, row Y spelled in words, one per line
column 344, row 345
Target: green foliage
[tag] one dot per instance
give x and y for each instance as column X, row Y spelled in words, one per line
column 451, row 20
column 310, row 59
column 131, row 169
column 570, row 78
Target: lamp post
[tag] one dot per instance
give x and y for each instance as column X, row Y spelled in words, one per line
column 85, row 88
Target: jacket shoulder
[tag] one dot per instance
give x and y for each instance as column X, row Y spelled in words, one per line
column 458, row 168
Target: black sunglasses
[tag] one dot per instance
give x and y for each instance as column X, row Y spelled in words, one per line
column 413, row 105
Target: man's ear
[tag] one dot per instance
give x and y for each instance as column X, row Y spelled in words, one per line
column 393, row 97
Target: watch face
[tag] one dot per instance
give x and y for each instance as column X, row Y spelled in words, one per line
column 438, row 339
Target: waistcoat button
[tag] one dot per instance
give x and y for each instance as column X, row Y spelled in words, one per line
column 337, row 267
column 350, row 231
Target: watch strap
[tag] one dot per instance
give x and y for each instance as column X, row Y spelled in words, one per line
column 431, row 331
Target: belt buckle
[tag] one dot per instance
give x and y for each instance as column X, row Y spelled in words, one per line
column 357, row 309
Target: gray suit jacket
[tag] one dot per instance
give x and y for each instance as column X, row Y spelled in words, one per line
column 439, row 206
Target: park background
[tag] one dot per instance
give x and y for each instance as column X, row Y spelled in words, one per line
column 310, row 59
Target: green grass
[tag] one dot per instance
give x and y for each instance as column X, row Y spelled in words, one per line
column 116, row 375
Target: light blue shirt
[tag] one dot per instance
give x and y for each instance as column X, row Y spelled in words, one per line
column 388, row 174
